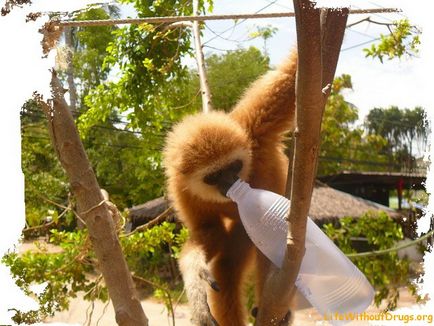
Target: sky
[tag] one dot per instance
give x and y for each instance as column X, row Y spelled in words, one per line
column 375, row 84
column 406, row 83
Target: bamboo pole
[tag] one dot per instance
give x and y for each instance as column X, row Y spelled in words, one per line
column 172, row 19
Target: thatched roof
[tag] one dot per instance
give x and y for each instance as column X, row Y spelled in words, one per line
column 143, row 213
column 329, row 204
column 150, row 209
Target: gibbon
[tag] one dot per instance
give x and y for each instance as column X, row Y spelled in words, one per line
column 204, row 154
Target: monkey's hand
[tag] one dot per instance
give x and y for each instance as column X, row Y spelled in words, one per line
column 195, row 273
column 203, row 315
column 206, row 275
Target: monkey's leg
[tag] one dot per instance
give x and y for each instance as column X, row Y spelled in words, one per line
column 262, row 268
column 195, row 273
column 229, row 268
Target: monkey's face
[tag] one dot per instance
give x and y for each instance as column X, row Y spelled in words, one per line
column 225, row 177
column 205, row 154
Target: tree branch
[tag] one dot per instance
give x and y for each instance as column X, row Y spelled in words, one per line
column 319, row 37
column 69, row 148
column 204, row 86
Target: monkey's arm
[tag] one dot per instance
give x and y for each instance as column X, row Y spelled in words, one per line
column 195, row 274
column 267, row 108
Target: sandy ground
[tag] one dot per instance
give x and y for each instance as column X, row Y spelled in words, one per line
column 103, row 315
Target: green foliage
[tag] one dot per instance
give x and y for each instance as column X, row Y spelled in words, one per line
column 230, row 74
column 386, row 272
column 71, row 267
column 151, row 254
column 402, row 40
column 343, row 145
column 265, row 32
column 137, row 175
column 44, row 178
column 402, row 128
column 149, row 92
column 63, row 272
column 149, row 60
column 126, row 165
column 89, row 50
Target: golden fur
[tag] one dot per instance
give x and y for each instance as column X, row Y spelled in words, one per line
column 204, row 143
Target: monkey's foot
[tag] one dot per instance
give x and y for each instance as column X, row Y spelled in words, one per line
column 286, row 321
column 203, row 317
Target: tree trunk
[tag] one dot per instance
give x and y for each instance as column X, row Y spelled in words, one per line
column 93, row 209
column 319, row 37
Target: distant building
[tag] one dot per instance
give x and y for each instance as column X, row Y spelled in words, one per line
column 375, row 186
column 328, row 205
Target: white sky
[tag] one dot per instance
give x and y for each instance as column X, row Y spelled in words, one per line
column 406, row 83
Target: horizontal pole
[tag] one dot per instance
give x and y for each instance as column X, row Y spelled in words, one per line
column 174, row 19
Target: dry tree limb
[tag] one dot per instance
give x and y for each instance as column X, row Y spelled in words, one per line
column 51, row 31
column 92, row 208
column 10, row 4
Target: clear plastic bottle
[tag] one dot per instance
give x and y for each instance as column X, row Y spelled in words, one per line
column 327, row 278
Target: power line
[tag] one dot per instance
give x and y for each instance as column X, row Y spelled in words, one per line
column 217, row 49
column 360, row 44
column 363, row 162
column 361, row 33
column 220, row 35
column 41, row 115
column 279, row 4
column 243, row 20
column 100, row 144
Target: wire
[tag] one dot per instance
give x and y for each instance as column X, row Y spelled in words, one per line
column 217, row 49
column 241, row 21
column 95, row 143
column 389, row 250
column 363, row 162
column 361, row 33
column 360, row 44
column 220, row 36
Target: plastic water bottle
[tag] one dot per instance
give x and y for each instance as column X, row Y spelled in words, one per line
column 327, row 278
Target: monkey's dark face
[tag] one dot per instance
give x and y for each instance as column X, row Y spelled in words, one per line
column 205, row 154
column 224, row 178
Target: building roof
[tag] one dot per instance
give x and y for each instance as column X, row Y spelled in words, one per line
column 150, row 209
column 384, row 179
column 327, row 204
